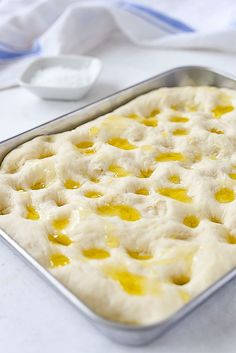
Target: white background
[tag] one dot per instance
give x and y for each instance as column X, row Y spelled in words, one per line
column 34, row 318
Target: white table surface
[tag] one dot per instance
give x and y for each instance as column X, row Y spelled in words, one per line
column 34, row 318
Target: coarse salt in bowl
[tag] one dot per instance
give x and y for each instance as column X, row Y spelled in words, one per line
column 64, row 77
column 60, row 76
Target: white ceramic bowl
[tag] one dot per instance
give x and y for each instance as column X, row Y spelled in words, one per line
column 91, row 66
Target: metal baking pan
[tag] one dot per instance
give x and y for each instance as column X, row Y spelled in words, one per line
column 182, row 76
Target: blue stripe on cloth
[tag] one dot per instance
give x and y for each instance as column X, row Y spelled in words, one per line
column 159, row 16
column 150, row 19
column 8, row 53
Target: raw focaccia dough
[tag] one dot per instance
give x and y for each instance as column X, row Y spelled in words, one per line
column 135, row 211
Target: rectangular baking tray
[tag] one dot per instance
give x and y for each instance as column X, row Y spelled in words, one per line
column 181, row 76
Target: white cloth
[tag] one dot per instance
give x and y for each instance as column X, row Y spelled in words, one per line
column 50, row 27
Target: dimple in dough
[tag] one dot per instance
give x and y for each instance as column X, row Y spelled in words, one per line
column 135, row 217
